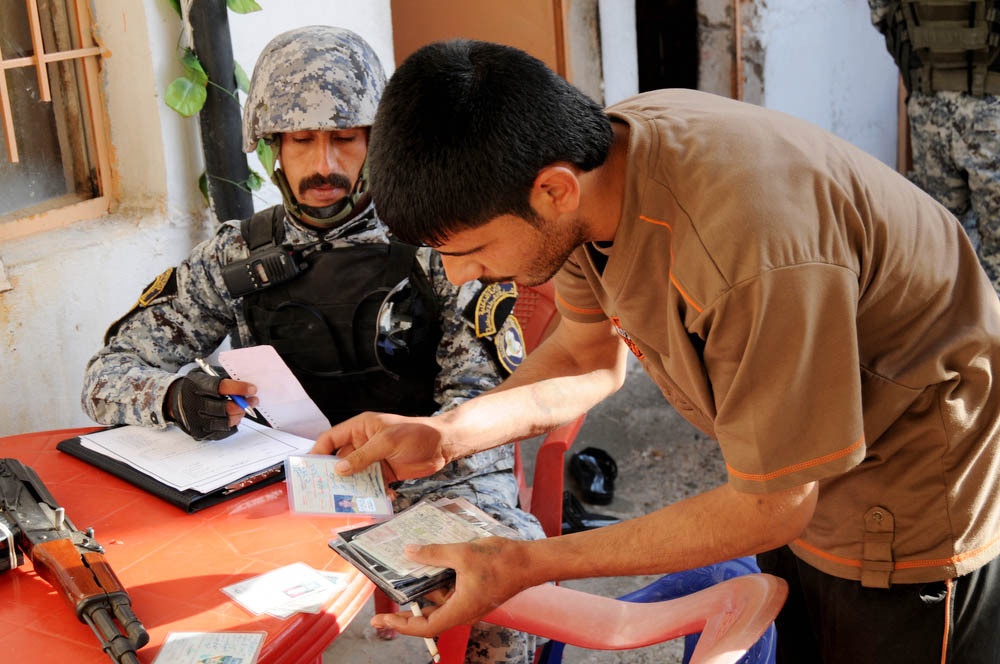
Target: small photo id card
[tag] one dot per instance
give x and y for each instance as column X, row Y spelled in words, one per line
column 211, row 648
column 313, row 488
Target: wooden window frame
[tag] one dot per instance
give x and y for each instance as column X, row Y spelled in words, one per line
column 63, row 210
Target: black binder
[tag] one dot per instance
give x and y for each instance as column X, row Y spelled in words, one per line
column 188, row 500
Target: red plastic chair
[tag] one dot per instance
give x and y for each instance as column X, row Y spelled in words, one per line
column 731, row 616
column 536, row 312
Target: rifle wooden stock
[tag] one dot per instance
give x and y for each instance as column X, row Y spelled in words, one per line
column 82, row 578
column 96, row 595
column 69, row 560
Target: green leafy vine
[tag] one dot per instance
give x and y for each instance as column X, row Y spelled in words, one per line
column 187, row 94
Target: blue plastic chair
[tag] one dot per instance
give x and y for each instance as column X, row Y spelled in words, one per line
column 681, row 584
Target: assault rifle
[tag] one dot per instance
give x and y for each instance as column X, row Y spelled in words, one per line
column 32, row 524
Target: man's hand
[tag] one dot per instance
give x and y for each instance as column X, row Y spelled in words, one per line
column 197, row 403
column 407, row 447
column 486, row 577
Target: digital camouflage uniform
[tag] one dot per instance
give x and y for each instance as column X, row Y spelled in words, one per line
column 188, row 311
column 954, row 135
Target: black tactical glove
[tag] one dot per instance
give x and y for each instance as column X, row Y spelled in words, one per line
column 195, row 405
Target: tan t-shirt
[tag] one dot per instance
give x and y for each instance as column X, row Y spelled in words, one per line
column 820, row 317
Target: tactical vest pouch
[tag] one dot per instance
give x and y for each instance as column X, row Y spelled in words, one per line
column 324, row 323
column 270, row 267
column 947, row 46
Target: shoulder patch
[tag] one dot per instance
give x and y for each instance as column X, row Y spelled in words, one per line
column 509, row 343
column 493, row 305
column 491, row 317
column 163, row 286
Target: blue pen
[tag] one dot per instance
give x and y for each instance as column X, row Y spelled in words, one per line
column 237, row 399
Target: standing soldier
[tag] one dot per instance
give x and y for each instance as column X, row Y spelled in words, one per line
column 947, row 54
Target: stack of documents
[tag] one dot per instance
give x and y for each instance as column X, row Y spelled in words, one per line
column 377, row 550
column 188, row 473
column 179, row 461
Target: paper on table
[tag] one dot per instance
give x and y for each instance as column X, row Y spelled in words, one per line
column 284, row 591
column 283, row 400
column 174, row 458
column 211, row 647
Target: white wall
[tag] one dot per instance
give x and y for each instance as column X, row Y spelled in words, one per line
column 618, row 57
column 825, row 62
column 69, row 285
column 820, row 61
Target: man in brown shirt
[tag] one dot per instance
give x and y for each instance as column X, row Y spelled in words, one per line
column 822, row 318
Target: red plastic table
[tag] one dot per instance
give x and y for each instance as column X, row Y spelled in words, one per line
column 172, row 564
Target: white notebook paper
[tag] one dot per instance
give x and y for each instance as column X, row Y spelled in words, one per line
column 283, row 400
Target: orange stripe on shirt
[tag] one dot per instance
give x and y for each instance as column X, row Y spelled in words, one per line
column 818, row 461
column 910, row 564
column 579, row 310
column 670, row 273
column 906, row 564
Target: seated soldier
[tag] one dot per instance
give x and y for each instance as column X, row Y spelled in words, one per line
column 312, row 99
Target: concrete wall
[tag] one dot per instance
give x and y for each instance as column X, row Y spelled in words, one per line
column 825, row 62
column 817, row 59
column 68, row 285
column 618, row 55
column 820, row 61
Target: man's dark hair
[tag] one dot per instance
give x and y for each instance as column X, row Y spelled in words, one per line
column 462, row 131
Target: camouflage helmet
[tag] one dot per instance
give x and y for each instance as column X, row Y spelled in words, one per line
column 312, row 78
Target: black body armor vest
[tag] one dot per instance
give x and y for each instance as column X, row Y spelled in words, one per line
column 323, row 322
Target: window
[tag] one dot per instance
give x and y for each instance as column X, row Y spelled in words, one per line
column 53, row 150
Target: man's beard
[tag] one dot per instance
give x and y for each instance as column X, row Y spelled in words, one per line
column 554, row 250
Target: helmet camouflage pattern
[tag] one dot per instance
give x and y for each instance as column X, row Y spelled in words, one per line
column 312, row 78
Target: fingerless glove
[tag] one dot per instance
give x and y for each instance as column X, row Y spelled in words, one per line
column 195, row 405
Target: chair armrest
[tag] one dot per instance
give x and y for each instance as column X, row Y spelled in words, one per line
column 731, row 616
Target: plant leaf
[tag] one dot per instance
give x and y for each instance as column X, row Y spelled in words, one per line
column 203, row 185
column 243, row 6
column 193, row 69
column 242, row 80
column 255, row 181
column 266, row 155
column 185, row 97
column 176, row 4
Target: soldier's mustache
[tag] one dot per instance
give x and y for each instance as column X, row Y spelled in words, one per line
column 316, row 180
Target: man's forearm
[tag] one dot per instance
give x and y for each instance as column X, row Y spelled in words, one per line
column 546, row 391
column 717, row 525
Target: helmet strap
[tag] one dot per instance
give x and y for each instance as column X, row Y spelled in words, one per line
column 327, row 217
